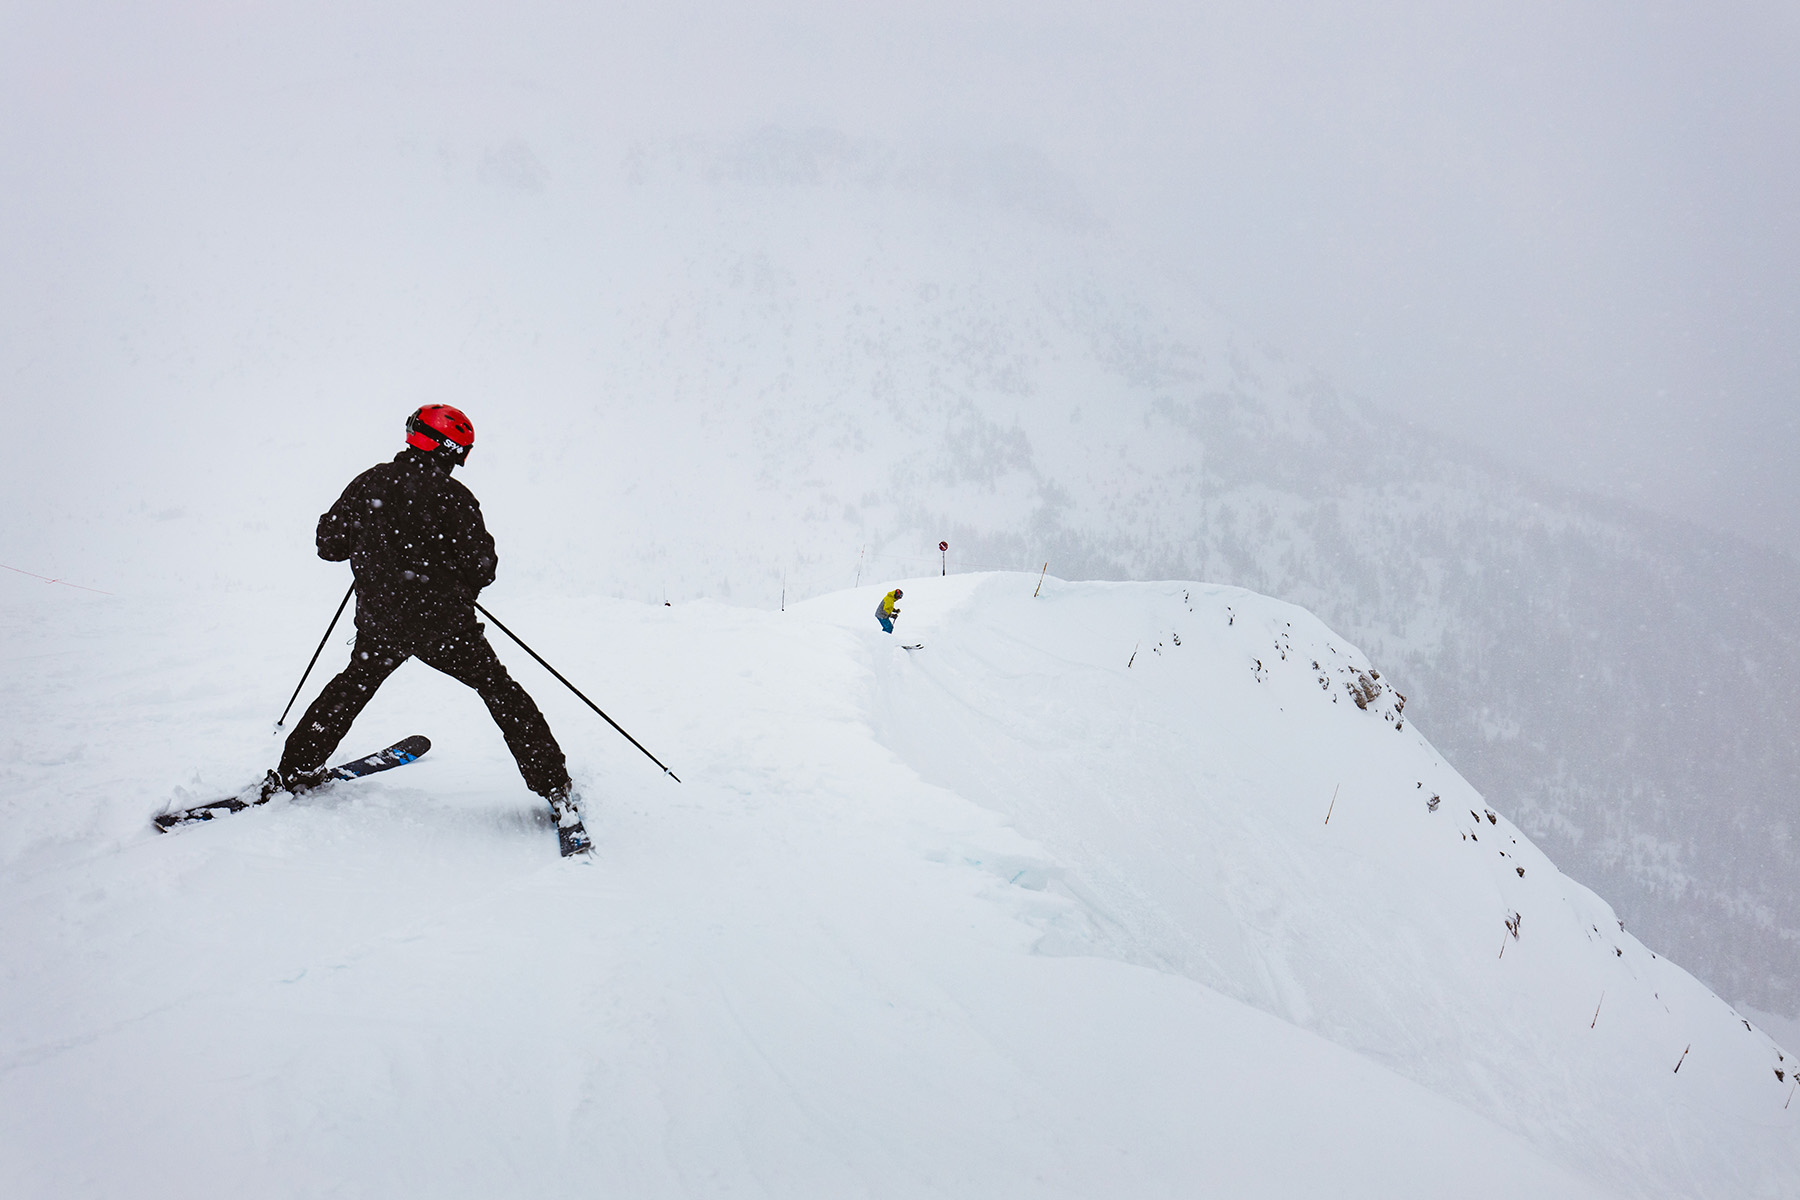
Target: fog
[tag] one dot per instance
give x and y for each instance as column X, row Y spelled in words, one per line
column 1338, row 306
column 1564, row 235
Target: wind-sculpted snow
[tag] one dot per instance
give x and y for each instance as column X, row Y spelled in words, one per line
column 1122, row 889
column 1234, row 794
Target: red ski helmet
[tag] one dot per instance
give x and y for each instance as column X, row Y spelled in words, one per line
column 440, row 427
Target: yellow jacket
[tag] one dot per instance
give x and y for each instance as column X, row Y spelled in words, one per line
column 887, row 607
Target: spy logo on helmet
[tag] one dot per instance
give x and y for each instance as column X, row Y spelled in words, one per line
column 438, row 428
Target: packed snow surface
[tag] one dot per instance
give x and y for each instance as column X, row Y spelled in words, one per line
column 1115, row 889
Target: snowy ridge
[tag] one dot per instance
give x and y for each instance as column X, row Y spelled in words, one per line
column 1022, row 913
column 1188, row 794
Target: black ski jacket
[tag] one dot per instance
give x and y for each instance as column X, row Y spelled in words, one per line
column 416, row 543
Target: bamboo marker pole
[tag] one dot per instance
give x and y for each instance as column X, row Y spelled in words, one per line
column 1682, row 1059
column 1596, row 1019
column 1334, row 792
column 1040, row 586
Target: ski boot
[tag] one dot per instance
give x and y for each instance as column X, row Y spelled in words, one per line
column 296, row 784
column 571, row 836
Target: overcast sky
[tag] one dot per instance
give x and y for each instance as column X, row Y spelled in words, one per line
column 1566, row 232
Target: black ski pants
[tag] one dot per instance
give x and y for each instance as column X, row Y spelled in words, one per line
column 466, row 657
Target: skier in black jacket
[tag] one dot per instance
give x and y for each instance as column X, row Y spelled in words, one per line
column 420, row 553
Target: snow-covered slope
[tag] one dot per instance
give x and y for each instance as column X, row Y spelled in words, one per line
column 721, row 366
column 1048, row 907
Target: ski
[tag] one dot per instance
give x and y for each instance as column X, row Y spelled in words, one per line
column 397, row 755
column 914, row 646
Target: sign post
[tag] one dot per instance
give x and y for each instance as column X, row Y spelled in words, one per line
column 943, row 558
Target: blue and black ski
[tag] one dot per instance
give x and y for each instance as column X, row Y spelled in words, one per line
column 396, row 755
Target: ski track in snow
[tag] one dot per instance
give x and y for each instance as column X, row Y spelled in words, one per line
column 1005, row 916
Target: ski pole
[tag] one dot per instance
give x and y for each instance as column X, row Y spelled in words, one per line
column 316, row 653
column 559, row 675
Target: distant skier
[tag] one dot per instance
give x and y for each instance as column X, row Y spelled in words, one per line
column 421, row 553
column 887, row 612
